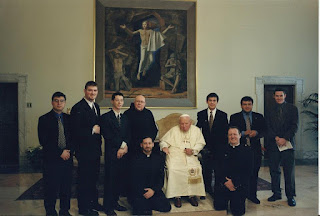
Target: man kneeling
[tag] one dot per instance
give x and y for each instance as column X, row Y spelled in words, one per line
column 182, row 144
column 147, row 173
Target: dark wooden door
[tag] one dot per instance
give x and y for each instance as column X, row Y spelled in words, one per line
column 9, row 142
column 269, row 101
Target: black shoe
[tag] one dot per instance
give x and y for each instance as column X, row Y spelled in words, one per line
column 88, row 212
column 202, row 197
column 110, row 213
column 97, row 207
column 254, row 200
column 64, row 213
column 52, row 213
column 291, row 201
column 120, row 208
column 274, row 198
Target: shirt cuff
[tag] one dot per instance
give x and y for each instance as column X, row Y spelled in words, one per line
column 123, row 145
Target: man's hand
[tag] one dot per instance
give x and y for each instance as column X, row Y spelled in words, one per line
column 65, row 154
column 120, row 153
column 253, row 133
column 229, row 184
column 280, row 141
column 96, row 129
column 188, row 151
column 166, row 150
column 149, row 193
column 247, row 132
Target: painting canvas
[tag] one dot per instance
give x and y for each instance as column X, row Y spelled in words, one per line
column 146, row 50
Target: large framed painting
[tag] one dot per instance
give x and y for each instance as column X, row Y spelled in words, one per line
column 146, row 47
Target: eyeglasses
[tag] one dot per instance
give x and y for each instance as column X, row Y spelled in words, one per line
column 61, row 101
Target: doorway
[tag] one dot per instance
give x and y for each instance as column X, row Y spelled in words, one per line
column 9, row 136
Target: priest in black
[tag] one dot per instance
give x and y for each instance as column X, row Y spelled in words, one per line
column 142, row 124
column 234, row 172
column 253, row 127
column 147, row 176
column 54, row 137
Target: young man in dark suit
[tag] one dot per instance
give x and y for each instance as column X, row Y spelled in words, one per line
column 116, row 133
column 282, row 125
column 54, row 136
column 214, row 126
column 252, row 127
column 87, row 140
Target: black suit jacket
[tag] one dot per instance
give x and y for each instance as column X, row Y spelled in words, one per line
column 285, row 129
column 114, row 134
column 258, row 124
column 48, row 136
column 216, row 139
column 83, row 118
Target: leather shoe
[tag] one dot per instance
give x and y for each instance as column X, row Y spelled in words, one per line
column 177, row 202
column 88, row 212
column 291, row 201
column 110, row 213
column 120, row 208
column 193, row 201
column 202, row 197
column 97, row 207
column 274, row 198
column 64, row 213
column 254, row 200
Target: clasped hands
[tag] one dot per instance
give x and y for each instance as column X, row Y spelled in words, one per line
column 280, row 141
column 250, row 133
column 65, row 154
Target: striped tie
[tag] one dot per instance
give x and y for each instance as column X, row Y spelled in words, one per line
column 61, row 137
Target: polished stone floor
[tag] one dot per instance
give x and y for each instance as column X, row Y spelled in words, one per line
column 13, row 185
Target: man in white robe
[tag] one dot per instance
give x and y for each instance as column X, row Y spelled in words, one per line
column 182, row 144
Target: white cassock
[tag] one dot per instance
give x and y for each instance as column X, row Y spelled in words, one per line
column 183, row 172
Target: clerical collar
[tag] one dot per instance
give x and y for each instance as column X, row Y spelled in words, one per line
column 233, row 146
column 90, row 103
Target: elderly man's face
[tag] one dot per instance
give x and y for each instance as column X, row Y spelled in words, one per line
column 185, row 124
column 139, row 102
column 234, row 136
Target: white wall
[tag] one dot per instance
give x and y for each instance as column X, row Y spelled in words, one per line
column 52, row 42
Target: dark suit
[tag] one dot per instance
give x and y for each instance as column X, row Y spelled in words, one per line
column 88, row 152
column 115, row 177
column 57, row 173
column 283, row 124
column 258, row 124
column 236, row 165
column 148, row 172
column 216, row 142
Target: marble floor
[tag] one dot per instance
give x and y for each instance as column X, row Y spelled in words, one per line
column 13, row 185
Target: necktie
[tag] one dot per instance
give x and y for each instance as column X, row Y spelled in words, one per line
column 210, row 120
column 248, row 127
column 61, row 137
column 119, row 120
column 93, row 109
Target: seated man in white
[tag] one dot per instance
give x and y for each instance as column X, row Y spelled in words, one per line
column 182, row 144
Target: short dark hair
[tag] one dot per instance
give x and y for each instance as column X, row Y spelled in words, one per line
column 279, row 89
column 115, row 94
column 213, row 95
column 58, row 94
column 90, row 83
column 145, row 137
column 246, row 98
column 234, row 127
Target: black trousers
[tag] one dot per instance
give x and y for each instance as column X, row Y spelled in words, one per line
column 237, row 199
column 88, row 174
column 143, row 206
column 287, row 159
column 253, row 181
column 207, row 163
column 57, row 178
column 116, row 181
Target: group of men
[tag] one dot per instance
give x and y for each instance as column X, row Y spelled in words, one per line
column 217, row 157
